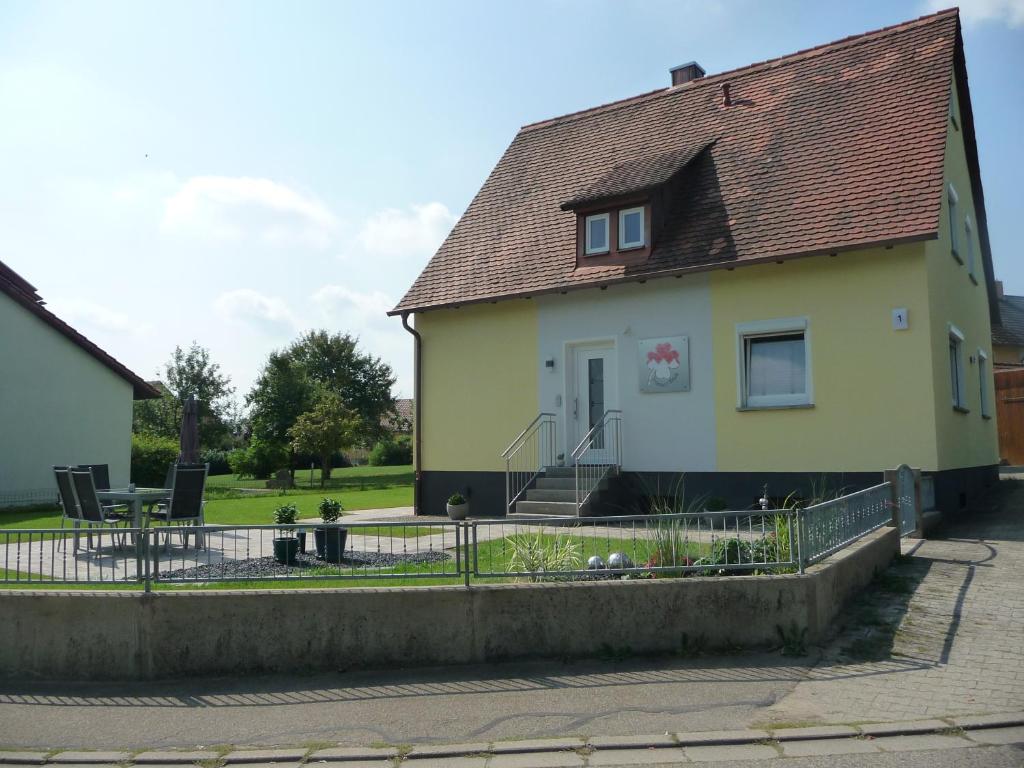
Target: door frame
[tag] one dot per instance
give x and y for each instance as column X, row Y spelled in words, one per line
column 571, row 380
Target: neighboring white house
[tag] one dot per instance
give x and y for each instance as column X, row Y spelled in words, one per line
column 63, row 400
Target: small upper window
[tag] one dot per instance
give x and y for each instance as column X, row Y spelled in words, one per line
column 597, row 233
column 631, row 228
column 956, row 368
column 954, row 222
column 969, row 245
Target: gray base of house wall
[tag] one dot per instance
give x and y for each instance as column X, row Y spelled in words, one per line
column 955, row 489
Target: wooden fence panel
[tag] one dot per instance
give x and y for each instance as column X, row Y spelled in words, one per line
column 1010, row 415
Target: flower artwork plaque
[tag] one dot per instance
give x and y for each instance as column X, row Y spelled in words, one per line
column 665, row 364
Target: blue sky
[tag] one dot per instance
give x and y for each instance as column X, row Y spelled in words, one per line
column 235, row 173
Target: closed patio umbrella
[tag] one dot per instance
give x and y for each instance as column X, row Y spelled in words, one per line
column 189, row 432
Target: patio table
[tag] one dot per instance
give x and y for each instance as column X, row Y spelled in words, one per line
column 134, row 499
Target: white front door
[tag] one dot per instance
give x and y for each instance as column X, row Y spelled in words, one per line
column 592, row 388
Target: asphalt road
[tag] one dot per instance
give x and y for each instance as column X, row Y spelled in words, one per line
column 482, row 703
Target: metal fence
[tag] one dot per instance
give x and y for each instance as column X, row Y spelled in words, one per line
column 371, row 551
column 828, row 527
column 534, row 549
column 592, row 548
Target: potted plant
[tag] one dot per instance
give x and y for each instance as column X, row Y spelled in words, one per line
column 330, row 542
column 457, row 506
column 286, row 546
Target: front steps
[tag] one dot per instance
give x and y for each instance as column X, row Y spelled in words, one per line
column 553, row 494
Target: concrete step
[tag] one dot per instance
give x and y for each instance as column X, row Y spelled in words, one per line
column 544, row 508
column 551, row 494
column 560, row 471
column 556, row 483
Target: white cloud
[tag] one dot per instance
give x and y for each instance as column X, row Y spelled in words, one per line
column 244, row 306
column 83, row 315
column 365, row 315
column 230, row 208
column 1009, row 12
column 370, row 308
column 413, row 232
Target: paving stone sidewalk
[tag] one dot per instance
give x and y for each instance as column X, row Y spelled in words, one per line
column 667, row 749
column 943, row 635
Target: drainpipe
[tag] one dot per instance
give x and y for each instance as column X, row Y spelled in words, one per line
column 416, row 410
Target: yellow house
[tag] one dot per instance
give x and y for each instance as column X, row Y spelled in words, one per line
column 767, row 277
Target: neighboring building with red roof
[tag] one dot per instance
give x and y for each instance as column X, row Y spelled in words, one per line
column 63, row 400
column 748, row 278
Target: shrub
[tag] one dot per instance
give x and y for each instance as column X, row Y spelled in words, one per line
column 286, row 514
column 218, row 461
column 150, row 457
column 330, row 510
column 456, row 498
column 390, row 453
column 259, row 460
column 671, row 545
column 537, row 553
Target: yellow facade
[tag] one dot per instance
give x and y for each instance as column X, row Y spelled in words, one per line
column 479, row 385
column 873, row 386
column 962, row 439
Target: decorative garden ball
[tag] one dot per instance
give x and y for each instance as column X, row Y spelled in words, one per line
column 617, row 560
column 595, row 563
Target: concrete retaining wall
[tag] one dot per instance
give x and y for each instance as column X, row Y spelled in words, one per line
column 122, row 635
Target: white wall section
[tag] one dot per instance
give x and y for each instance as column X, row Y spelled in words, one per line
column 664, row 431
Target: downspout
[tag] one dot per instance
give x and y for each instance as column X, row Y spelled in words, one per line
column 416, row 410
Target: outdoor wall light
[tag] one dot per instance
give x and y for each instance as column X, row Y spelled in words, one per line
column 550, row 363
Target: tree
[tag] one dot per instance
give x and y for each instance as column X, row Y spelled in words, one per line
column 189, row 372
column 328, row 427
column 363, row 381
column 293, row 379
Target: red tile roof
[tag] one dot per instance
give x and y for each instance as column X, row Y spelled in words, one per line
column 24, row 293
column 832, row 148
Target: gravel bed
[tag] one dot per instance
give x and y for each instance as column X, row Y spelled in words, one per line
column 267, row 566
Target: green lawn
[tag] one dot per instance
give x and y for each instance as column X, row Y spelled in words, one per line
column 349, row 478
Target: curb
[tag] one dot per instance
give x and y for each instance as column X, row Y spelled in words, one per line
column 342, row 755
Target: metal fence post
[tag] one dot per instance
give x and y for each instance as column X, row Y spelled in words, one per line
column 891, row 476
column 799, row 519
column 144, row 547
column 466, row 536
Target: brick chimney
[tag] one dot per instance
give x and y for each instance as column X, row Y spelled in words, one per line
column 999, row 288
column 686, row 72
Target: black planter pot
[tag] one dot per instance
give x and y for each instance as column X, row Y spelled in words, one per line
column 319, row 537
column 285, row 551
column 334, row 544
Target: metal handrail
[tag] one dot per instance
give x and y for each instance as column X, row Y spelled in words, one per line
column 527, row 455
column 507, row 452
column 591, row 475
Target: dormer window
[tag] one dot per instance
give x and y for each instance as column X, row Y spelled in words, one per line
column 631, row 229
column 597, row 234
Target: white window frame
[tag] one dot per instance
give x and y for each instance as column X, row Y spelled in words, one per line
column 958, row 393
column 953, row 200
column 776, row 327
column 969, row 246
column 623, row 245
column 607, row 233
column 983, row 375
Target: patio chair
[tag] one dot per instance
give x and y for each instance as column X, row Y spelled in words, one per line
column 161, row 504
column 94, row 514
column 68, row 502
column 101, row 476
column 186, row 503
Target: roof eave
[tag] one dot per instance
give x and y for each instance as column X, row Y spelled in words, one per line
column 925, row 235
